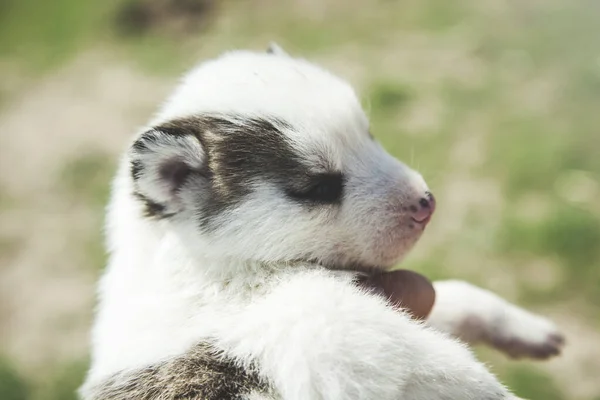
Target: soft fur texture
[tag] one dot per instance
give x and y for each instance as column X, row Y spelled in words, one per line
column 237, row 220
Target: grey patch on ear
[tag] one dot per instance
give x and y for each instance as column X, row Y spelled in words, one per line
column 276, row 50
column 203, row 373
column 161, row 164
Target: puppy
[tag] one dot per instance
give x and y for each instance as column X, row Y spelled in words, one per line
column 249, row 229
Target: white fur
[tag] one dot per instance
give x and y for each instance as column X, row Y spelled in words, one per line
column 313, row 333
column 479, row 316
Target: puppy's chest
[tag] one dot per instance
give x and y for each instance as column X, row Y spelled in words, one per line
column 200, row 374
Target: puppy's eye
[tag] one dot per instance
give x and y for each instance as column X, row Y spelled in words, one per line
column 324, row 188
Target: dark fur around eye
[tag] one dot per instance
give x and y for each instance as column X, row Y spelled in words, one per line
column 322, row 189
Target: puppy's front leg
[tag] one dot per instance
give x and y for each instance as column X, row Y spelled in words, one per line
column 316, row 336
column 476, row 315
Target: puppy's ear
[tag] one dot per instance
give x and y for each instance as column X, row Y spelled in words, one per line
column 166, row 163
column 276, row 50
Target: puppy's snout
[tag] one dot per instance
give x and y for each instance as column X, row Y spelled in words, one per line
column 423, row 211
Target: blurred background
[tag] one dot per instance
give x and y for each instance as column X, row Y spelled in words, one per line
column 496, row 102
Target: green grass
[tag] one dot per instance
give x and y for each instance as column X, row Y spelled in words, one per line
column 9, row 245
column 87, row 178
column 64, row 381
column 42, row 34
column 531, row 383
column 12, row 385
column 388, row 97
column 569, row 235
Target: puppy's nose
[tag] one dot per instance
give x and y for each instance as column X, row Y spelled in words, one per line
column 423, row 211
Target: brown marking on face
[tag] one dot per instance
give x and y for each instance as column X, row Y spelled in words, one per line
column 406, row 290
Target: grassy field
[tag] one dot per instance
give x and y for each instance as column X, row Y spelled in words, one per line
column 495, row 101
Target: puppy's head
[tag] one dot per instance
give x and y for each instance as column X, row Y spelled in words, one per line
column 268, row 158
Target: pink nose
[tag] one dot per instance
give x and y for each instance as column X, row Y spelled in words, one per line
column 423, row 211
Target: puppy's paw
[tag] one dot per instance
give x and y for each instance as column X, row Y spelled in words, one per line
column 476, row 315
column 519, row 334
